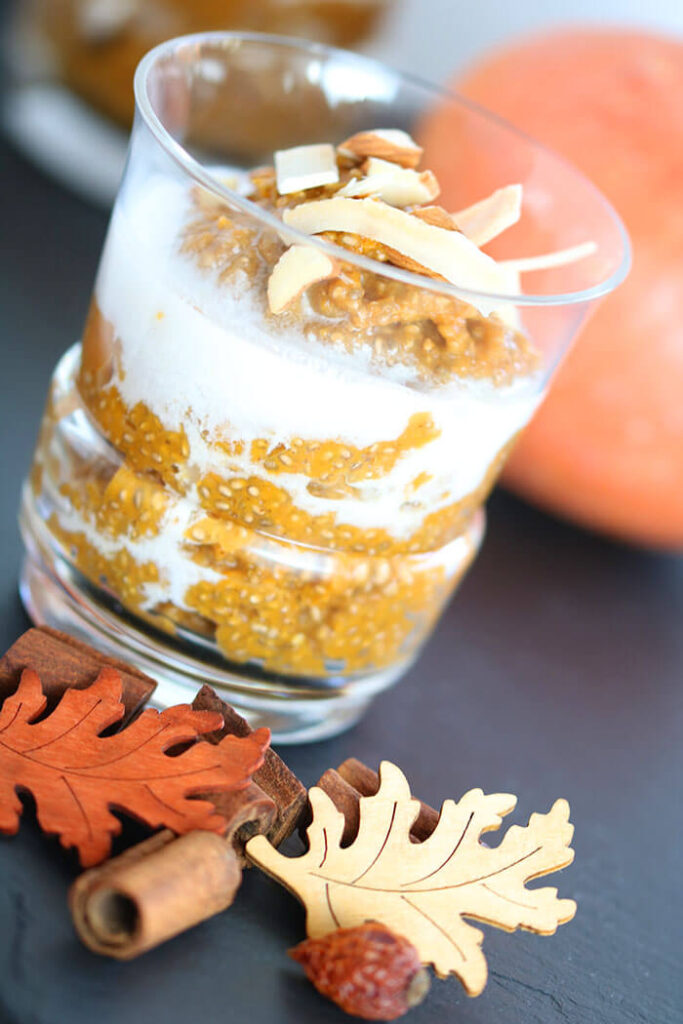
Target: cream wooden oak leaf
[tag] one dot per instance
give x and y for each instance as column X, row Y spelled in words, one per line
column 424, row 891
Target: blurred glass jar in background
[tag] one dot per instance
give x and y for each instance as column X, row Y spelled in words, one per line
column 72, row 64
column 97, row 44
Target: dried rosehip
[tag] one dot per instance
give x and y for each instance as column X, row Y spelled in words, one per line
column 368, row 971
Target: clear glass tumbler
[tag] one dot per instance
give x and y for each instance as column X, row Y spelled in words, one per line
column 277, row 495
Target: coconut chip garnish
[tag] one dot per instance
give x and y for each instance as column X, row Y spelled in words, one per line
column 370, row 190
column 298, row 268
column 305, row 167
column 485, row 220
column 446, row 254
column 558, row 258
column 397, row 186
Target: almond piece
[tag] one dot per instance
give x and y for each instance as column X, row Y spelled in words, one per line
column 298, row 267
column 447, row 254
column 398, row 186
column 406, row 263
column 437, row 216
column 489, row 217
column 559, row 258
column 386, row 143
column 305, row 167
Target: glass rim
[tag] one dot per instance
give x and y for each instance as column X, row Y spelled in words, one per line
column 199, row 173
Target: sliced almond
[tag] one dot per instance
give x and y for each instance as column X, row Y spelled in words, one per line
column 386, row 143
column 406, row 263
column 489, row 217
column 305, row 167
column 447, row 254
column 559, row 258
column 437, row 216
column 398, row 186
column 299, row 267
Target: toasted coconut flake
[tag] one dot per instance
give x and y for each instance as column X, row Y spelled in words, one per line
column 436, row 216
column 386, row 143
column 559, row 258
column 447, row 254
column 305, row 167
column 299, row 267
column 398, row 186
column 489, row 217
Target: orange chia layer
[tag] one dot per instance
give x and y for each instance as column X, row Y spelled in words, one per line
column 332, row 612
column 291, row 608
column 139, row 434
column 440, row 336
column 260, row 504
column 127, row 505
column 263, row 506
column 121, row 572
column 334, row 465
column 334, row 469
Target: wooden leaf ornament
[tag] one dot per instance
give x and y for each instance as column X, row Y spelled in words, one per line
column 425, row 890
column 76, row 775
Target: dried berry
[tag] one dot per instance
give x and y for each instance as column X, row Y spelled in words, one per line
column 368, row 971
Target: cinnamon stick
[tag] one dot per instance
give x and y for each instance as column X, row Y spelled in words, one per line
column 154, row 891
column 350, row 782
column 345, row 798
column 273, row 777
column 63, row 662
column 165, row 885
column 248, row 812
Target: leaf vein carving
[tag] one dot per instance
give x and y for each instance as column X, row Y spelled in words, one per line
column 329, row 905
column 78, row 803
column 448, row 858
column 381, row 849
column 56, row 739
column 435, row 925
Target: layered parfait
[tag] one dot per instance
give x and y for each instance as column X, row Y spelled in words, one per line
column 294, row 437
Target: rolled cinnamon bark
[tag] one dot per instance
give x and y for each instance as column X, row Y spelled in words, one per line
column 345, row 798
column 63, row 662
column 248, row 812
column 165, row 885
column 154, row 891
column 274, row 777
column 350, row 782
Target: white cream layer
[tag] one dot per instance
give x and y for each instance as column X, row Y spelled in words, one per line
column 170, row 551
column 197, row 353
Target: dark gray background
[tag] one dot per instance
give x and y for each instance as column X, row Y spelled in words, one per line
column 556, row 671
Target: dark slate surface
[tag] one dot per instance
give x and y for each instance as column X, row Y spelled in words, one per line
column 557, row 670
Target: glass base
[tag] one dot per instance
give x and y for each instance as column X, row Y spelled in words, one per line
column 57, row 595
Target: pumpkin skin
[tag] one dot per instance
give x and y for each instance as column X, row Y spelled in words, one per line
column 606, row 447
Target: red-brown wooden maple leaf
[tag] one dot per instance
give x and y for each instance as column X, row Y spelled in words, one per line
column 76, row 775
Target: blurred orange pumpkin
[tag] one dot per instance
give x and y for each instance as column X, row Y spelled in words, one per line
column 606, row 447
